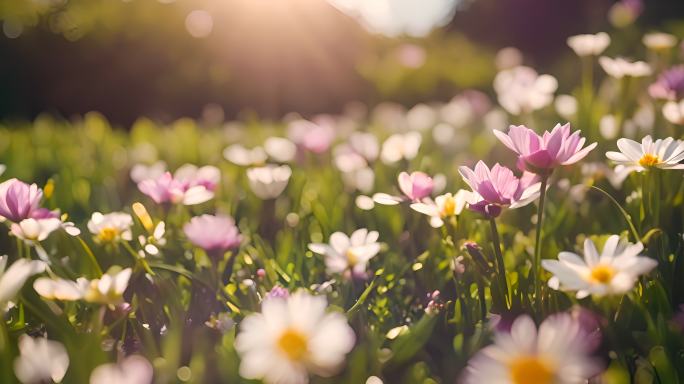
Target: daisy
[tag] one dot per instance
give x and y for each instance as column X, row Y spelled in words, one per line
column 415, row 187
column 619, row 67
column 444, row 206
column 345, row 253
column 270, row 181
column 111, row 227
column 40, row 360
column 663, row 154
column 674, row 112
column 214, row 234
column 613, row 272
column 400, row 146
column 522, row 90
column 133, row 369
column 314, row 137
column 33, row 231
column 588, row 44
column 556, row 353
column 108, row 289
column 659, row 41
column 14, row 277
column 291, row 338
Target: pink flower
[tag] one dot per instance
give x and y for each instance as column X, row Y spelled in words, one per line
column 311, row 136
column 19, row 201
column 415, row 186
column 541, row 154
column 498, row 188
column 168, row 189
column 214, row 234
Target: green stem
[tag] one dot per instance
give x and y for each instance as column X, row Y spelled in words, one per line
column 537, row 244
column 91, row 256
column 499, row 261
column 137, row 257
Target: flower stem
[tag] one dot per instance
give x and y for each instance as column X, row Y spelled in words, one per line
column 499, row 261
column 537, row 244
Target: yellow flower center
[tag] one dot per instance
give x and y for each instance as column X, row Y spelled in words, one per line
column 352, row 259
column 449, row 208
column 293, row 344
column 602, row 274
column 649, row 160
column 108, row 234
column 531, row 370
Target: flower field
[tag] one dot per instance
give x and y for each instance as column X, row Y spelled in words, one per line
column 516, row 234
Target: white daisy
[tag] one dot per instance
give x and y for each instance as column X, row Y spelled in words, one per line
column 14, row 277
column 662, row 153
column 613, row 272
column 35, row 230
column 444, row 206
column 588, row 44
column 111, row 227
column 619, row 67
column 108, row 289
column 673, row 111
column 291, row 338
column 400, row 146
column 269, row 182
column 40, row 360
column 522, row 90
column 348, row 252
column 557, row 353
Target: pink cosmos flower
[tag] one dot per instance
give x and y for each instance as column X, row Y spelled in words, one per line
column 214, row 234
column 20, row 201
column 415, row 187
column 169, row 189
column 498, row 188
column 312, row 136
column 541, row 154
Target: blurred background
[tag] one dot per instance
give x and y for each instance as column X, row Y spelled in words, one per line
column 224, row 59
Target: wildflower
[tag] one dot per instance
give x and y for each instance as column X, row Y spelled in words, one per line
column 619, row 67
column 111, row 227
column 444, row 206
column 269, row 182
column 191, row 176
column 674, row 112
column 109, row 288
column 557, row 352
column 669, row 85
column 588, row 44
column 313, row 137
column 663, row 154
column 14, row 277
column 400, row 146
column 169, row 189
column 613, row 272
column 541, row 154
column 61, row 289
column 659, row 41
column 521, row 90
column 214, row 234
column 415, row 187
column 566, row 106
column 140, row 172
column 40, row 360
column 33, row 231
column 280, row 149
column 20, row 201
column 278, row 292
column 291, row 338
column 239, row 155
column 349, row 252
column 498, row 188
column 152, row 243
column 133, row 369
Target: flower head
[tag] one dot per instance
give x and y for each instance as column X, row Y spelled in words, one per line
column 313, row 137
column 111, row 227
column 400, row 146
column 522, row 90
column 14, row 277
column 557, row 352
column 613, row 272
column 444, row 206
column 345, row 253
column 133, row 369
column 269, row 182
column 541, row 154
column 35, row 230
column 109, row 288
column 674, row 112
column 169, row 189
column 659, row 41
column 634, row 156
column 498, row 188
column 588, row 44
column 19, row 201
column 291, row 338
column 415, row 187
column 669, row 85
column 214, row 234
column 619, row 67
column 40, row 360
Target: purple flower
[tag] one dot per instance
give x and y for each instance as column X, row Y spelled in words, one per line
column 541, row 154
column 415, row 186
column 670, row 84
column 278, row 292
column 214, row 234
column 312, row 136
column 498, row 188
column 19, row 201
